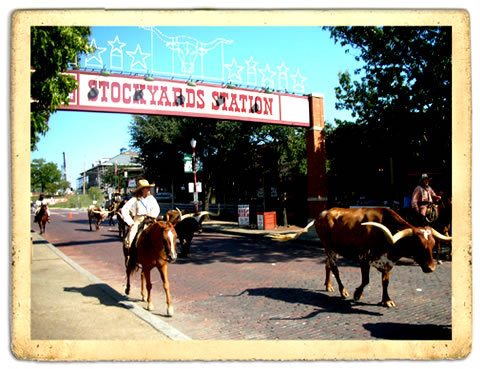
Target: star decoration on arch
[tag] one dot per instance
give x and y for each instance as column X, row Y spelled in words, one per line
column 234, row 71
column 117, row 45
column 283, row 76
column 267, row 77
column 251, row 71
column 298, row 81
column 138, row 57
column 116, row 53
column 96, row 59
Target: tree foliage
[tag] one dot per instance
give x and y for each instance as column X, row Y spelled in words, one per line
column 401, row 99
column 53, row 49
column 46, row 177
column 237, row 158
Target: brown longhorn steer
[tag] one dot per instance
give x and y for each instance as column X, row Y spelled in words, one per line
column 365, row 235
column 96, row 215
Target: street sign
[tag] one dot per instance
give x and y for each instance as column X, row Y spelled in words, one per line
column 243, row 215
column 187, row 163
column 191, row 187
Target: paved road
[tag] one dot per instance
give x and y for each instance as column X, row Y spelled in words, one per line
column 236, row 287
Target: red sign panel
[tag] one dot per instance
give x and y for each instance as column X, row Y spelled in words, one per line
column 135, row 95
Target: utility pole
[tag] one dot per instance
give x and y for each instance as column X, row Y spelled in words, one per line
column 65, row 166
column 84, row 176
column 193, row 143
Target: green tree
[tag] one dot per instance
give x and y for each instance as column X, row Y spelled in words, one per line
column 236, row 156
column 96, row 194
column 52, row 49
column 401, row 99
column 45, row 176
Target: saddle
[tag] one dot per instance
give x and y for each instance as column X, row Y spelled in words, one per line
column 147, row 222
column 131, row 251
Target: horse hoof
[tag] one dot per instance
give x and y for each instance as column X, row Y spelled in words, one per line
column 388, row 303
column 144, row 298
column 170, row 311
column 150, row 307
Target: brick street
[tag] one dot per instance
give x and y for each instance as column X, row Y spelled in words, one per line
column 241, row 288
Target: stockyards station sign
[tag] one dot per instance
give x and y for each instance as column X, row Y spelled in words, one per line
column 136, row 95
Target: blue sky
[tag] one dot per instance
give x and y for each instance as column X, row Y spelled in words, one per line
column 300, row 60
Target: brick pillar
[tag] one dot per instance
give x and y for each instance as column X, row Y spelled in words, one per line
column 316, row 158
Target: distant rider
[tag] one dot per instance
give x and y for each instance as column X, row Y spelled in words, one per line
column 41, row 201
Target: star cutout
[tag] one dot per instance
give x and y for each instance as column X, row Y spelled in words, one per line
column 251, row 71
column 251, row 65
column 96, row 56
column 234, row 71
column 116, row 54
column 116, row 45
column 282, row 76
column 138, row 57
column 267, row 77
column 298, row 80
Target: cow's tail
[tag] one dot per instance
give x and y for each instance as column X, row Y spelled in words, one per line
column 290, row 236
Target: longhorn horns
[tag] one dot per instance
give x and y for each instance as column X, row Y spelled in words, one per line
column 197, row 216
column 392, row 239
column 102, row 212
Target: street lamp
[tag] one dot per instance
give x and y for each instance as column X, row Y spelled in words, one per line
column 193, row 143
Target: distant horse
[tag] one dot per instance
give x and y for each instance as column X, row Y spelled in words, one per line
column 111, row 210
column 122, row 225
column 155, row 247
column 42, row 218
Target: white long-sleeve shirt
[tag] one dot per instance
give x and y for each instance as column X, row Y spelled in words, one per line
column 141, row 206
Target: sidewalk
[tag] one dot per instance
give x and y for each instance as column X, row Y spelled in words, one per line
column 233, row 228
column 69, row 303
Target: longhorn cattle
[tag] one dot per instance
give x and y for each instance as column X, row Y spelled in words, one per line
column 97, row 215
column 365, row 235
column 186, row 224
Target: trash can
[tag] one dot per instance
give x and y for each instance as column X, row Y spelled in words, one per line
column 267, row 220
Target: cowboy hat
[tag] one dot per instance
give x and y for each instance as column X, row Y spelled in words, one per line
column 142, row 184
column 424, row 176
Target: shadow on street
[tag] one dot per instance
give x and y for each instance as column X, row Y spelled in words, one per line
column 326, row 303
column 405, row 331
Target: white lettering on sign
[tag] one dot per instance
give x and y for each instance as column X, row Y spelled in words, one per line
column 243, row 215
column 135, row 95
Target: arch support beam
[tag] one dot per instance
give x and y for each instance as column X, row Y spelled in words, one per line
column 316, row 158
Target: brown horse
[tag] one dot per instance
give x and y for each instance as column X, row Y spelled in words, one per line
column 42, row 218
column 155, row 247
